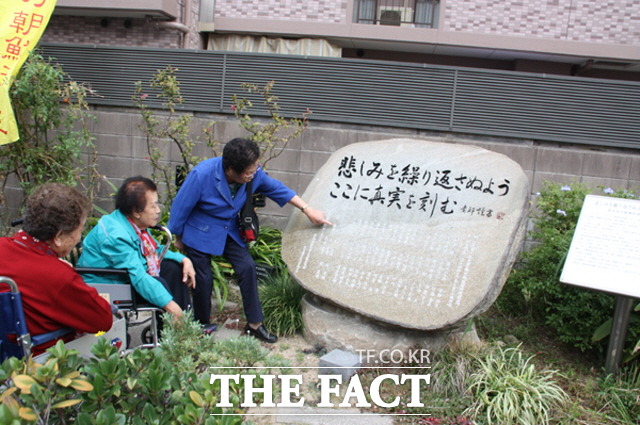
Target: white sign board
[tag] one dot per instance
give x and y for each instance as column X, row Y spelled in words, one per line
column 605, row 250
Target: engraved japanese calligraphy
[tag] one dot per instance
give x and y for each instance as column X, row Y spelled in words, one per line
column 424, row 232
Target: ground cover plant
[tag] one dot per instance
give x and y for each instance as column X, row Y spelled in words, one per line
column 281, row 296
column 507, row 388
column 166, row 385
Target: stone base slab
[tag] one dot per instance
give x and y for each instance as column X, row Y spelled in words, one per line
column 377, row 343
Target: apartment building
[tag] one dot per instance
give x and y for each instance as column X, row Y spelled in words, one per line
column 587, row 38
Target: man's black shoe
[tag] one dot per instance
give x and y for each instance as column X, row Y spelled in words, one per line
column 261, row 333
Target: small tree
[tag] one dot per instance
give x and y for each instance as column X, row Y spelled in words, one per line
column 172, row 127
column 274, row 135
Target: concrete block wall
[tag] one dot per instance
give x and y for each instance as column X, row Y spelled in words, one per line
column 123, row 151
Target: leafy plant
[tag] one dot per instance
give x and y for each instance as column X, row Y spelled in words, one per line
column 281, row 296
column 167, row 385
column 507, row 389
column 268, row 248
column 42, row 393
column 52, row 116
column 221, row 271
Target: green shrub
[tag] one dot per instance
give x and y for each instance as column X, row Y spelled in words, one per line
column 274, row 134
column 281, row 296
column 533, row 285
column 169, row 127
column 507, row 389
column 53, row 118
column 45, row 393
column 167, row 385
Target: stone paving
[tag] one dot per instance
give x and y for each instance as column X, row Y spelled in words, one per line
column 303, row 415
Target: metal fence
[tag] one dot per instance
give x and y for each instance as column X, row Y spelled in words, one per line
column 434, row 98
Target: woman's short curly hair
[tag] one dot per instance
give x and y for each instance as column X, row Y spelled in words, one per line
column 53, row 208
column 239, row 153
column 132, row 195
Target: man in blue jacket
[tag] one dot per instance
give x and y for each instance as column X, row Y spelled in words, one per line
column 204, row 218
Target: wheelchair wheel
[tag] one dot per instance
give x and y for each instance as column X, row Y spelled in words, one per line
column 147, row 335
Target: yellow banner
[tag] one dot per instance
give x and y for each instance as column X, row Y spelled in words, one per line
column 22, row 23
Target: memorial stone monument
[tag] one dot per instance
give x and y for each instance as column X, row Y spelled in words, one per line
column 424, row 236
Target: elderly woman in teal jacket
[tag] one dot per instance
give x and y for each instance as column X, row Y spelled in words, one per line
column 121, row 240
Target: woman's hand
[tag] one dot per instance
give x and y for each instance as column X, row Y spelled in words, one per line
column 316, row 216
column 188, row 273
column 174, row 309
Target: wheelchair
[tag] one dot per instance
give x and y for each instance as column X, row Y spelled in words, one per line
column 136, row 310
column 133, row 309
column 16, row 341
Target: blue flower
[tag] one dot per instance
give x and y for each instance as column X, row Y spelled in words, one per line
column 565, row 188
column 608, row 190
column 561, row 212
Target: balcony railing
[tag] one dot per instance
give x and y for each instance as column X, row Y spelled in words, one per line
column 412, row 13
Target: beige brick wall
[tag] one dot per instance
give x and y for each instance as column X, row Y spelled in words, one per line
column 586, row 21
column 606, row 21
column 90, row 30
column 125, row 32
column 326, row 11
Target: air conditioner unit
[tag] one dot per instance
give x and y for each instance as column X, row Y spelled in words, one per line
column 389, row 15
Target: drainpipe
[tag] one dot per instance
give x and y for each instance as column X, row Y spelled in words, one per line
column 175, row 25
column 187, row 22
column 184, row 28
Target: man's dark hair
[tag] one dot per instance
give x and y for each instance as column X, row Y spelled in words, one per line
column 131, row 196
column 53, row 208
column 239, row 153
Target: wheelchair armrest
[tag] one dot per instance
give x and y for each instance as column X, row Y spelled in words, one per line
column 50, row 336
column 98, row 270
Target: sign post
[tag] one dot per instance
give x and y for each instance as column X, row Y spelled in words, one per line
column 605, row 256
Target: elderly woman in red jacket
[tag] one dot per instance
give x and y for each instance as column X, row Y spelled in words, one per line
column 53, row 294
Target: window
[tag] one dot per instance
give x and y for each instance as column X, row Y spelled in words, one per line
column 414, row 13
